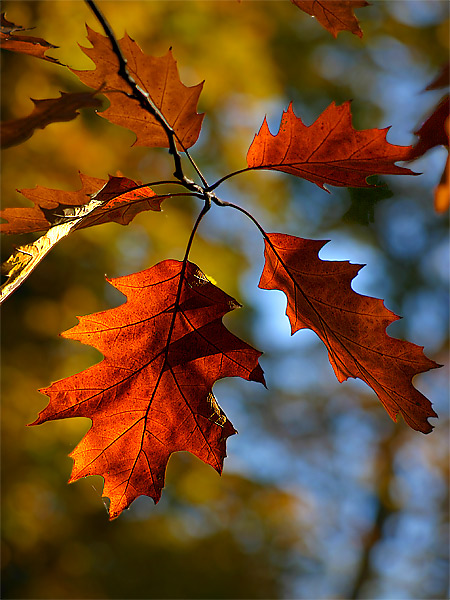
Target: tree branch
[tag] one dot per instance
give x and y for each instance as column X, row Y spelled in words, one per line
column 138, row 93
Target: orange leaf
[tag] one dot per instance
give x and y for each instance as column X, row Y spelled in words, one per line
column 353, row 327
column 46, row 111
column 152, row 394
column 334, row 15
column 435, row 132
column 157, row 76
column 23, row 44
column 329, row 151
column 121, row 203
column 442, row 191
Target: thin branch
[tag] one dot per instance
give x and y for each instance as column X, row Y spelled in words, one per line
column 138, row 93
column 222, row 179
column 151, row 184
column 191, row 160
column 203, row 212
column 246, row 213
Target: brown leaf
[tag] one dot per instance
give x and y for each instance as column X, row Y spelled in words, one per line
column 120, row 203
column 330, row 151
column 24, row 44
column 352, row 326
column 334, row 15
column 442, row 79
column 25, row 259
column 47, row 111
column 157, row 76
column 59, row 213
column 435, row 132
column 442, row 191
column 152, row 394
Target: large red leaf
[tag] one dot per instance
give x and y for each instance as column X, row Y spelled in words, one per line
column 50, row 110
column 334, row 15
column 158, row 76
column 352, row 326
column 24, row 44
column 152, row 394
column 121, row 202
column 330, row 151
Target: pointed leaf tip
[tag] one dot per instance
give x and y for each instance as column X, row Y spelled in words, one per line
column 334, row 15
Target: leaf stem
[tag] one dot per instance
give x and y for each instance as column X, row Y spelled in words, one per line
column 202, row 213
column 151, row 184
column 245, row 212
column 222, row 179
column 199, row 173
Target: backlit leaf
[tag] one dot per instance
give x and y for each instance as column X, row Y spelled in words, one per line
column 352, row 326
column 46, row 111
column 334, row 15
column 330, row 151
column 24, row 44
column 157, row 76
column 152, row 394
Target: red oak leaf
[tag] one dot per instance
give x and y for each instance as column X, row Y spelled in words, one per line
column 330, row 151
column 24, row 44
column 152, row 394
column 442, row 190
column 121, row 200
column 334, row 15
column 157, row 76
column 433, row 132
column 352, row 326
column 51, row 110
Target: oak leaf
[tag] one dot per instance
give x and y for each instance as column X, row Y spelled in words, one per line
column 334, row 15
column 59, row 213
column 156, row 76
column 330, row 151
column 152, row 393
column 25, row 259
column 24, row 44
column 352, row 326
column 435, row 132
column 442, row 190
column 46, row 111
column 120, row 198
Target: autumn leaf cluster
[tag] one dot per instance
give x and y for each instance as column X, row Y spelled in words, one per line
column 166, row 346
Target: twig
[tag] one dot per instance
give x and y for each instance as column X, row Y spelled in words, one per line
column 138, row 93
column 222, row 179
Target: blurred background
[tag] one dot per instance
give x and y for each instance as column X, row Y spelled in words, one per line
column 322, row 495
